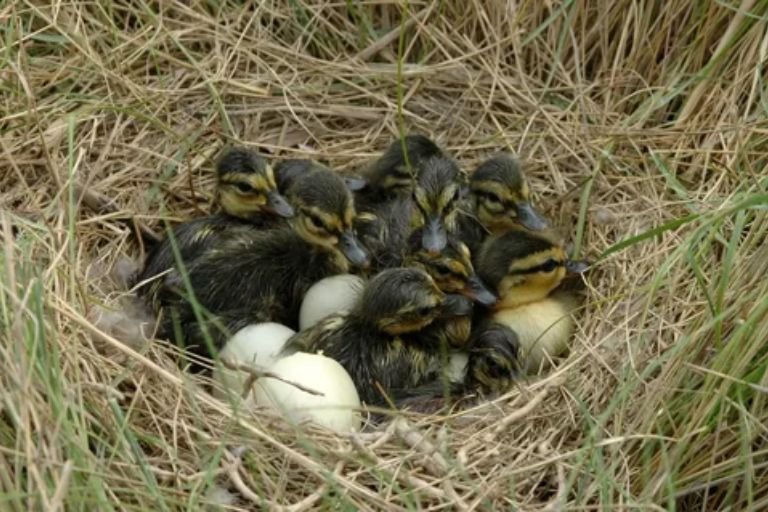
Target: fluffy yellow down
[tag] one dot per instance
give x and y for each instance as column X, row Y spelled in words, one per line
column 544, row 329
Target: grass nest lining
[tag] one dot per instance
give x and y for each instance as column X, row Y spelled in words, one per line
column 643, row 128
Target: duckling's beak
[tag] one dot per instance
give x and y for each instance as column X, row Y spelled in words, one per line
column 479, row 292
column 278, row 203
column 530, row 218
column 355, row 184
column 456, row 305
column 576, row 266
column 434, row 237
column 353, row 250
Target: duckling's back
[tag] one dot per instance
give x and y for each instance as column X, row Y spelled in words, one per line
column 192, row 239
column 374, row 360
column 261, row 277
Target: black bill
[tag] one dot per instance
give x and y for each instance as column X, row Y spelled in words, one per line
column 434, row 237
column 530, row 218
column 353, row 250
column 279, row 204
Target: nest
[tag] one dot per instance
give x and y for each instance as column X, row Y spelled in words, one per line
column 641, row 126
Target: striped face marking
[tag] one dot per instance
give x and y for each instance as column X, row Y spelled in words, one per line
column 242, row 194
column 450, row 269
column 400, row 179
column 496, row 203
column 443, row 206
column 533, row 277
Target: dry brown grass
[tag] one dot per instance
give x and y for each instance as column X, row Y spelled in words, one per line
column 630, row 114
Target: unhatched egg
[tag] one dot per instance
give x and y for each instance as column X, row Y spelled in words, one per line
column 335, row 294
column 255, row 345
column 334, row 409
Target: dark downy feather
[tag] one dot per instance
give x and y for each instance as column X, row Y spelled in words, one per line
column 374, row 358
column 262, row 277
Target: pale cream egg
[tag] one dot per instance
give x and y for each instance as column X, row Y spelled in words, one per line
column 334, row 294
column 335, row 408
column 257, row 345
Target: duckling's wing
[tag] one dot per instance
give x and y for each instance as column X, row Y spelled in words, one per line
column 321, row 337
column 190, row 239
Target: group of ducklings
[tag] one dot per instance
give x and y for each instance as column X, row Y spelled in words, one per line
column 393, row 274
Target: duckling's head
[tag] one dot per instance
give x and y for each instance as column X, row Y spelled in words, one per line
column 524, row 266
column 493, row 361
column 501, row 196
column 287, row 171
column 437, row 192
column 325, row 214
column 246, row 186
column 451, row 269
column 402, row 300
column 394, row 171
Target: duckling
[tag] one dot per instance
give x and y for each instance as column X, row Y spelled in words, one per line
column 386, row 232
column 451, row 269
column 393, row 173
column 525, row 268
column 499, row 200
column 453, row 272
column 262, row 276
column 488, row 367
column 286, row 172
column 246, row 186
column 492, row 363
column 432, row 208
column 247, row 195
column 382, row 342
column 437, row 195
column 426, row 180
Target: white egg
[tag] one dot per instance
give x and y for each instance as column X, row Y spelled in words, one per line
column 256, row 345
column 335, row 294
column 334, row 409
column 456, row 370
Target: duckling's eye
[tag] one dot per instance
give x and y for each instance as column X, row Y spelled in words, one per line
column 491, row 198
column 245, row 188
column 442, row 270
column 424, row 311
column 315, row 223
column 549, row 265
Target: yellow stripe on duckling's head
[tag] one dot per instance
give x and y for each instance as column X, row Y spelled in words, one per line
column 246, row 186
column 326, row 214
column 401, row 300
column 395, row 170
column 438, row 187
column 522, row 266
column 451, row 269
column 501, row 197
column 437, row 194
